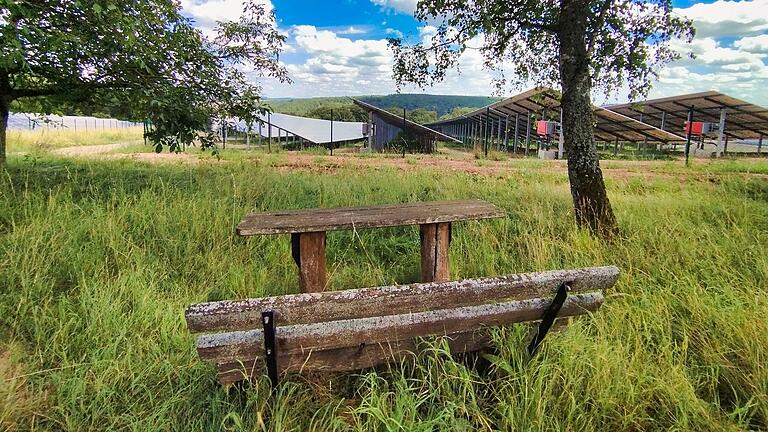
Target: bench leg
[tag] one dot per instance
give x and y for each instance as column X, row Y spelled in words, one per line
column 308, row 251
column 434, row 252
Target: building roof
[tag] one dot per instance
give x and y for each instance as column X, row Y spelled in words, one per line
column 404, row 123
column 743, row 120
column 543, row 100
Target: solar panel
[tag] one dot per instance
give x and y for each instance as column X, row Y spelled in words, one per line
column 317, row 131
column 400, row 122
column 544, row 102
column 743, row 120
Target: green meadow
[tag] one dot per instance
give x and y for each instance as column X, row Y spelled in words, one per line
column 101, row 258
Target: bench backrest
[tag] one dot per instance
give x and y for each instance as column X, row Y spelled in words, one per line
column 354, row 329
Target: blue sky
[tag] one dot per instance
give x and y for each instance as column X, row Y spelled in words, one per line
column 337, row 48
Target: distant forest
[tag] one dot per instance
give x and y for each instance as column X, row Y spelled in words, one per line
column 421, row 108
column 441, row 104
column 420, row 104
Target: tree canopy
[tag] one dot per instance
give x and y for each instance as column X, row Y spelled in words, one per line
column 346, row 111
column 418, row 115
column 626, row 41
column 576, row 45
column 144, row 55
column 457, row 112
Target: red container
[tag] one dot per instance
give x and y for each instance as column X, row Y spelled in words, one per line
column 696, row 129
column 541, row 128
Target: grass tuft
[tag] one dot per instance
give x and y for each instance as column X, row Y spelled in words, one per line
column 100, row 259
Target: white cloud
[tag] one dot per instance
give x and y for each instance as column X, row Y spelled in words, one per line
column 724, row 17
column 207, row 12
column 315, row 41
column 351, row 30
column 333, row 58
column 736, row 68
column 394, row 32
column 404, row 6
column 748, row 85
column 332, row 64
column 753, row 44
column 341, row 66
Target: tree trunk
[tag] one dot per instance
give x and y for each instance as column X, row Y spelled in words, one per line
column 4, row 107
column 590, row 201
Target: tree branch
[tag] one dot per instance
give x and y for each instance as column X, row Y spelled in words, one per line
column 16, row 94
column 552, row 28
column 598, row 24
column 51, row 91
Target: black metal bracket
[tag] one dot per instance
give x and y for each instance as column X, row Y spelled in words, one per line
column 549, row 316
column 296, row 248
column 270, row 347
column 450, row 233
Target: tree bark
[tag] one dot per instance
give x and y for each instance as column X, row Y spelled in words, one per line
column 590, row 200
column 4, row 108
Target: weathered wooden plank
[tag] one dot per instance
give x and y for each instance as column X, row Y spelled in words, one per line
column 365, row 302
column 226, row 347
column 312, row 262
column 348, row 358
column 330, row 219
column 434, row 252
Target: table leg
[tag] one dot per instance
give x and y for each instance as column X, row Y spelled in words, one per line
column 435, row 239
column 308, row 250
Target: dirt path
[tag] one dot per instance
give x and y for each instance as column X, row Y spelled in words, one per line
column 91, row 150
column 612, row 169
column 447, row 160
column 107, row 152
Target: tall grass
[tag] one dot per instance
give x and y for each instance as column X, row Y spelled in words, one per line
column 100, row 259
column 44, row 139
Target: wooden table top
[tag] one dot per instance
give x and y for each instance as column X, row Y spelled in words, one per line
column 330, row 219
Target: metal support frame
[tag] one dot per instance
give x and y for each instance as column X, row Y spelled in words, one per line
column 708, row 116
column 486, row 130
column 330, row 144
column 498, row 136
column 688, row 135
column 514, row 145
column 506, row 133
column 528, row 133
column 561, row 142
column 270, row 347
column 296, row 248
column 549, row 316
column 721, row 132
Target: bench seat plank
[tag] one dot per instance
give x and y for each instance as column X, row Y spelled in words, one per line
column 306, row 338
column 349, row 358
column 330, row 219
column 389, row 300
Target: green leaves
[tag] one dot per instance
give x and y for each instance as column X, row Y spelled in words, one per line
column 142, row 59
column 627, row 41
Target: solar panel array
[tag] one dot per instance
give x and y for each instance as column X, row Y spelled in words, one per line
column 28, row 121
column 743, row 120
column 519, row 113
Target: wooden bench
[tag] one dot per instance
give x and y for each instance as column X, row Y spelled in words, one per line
column 308, row 227
column 359, row 328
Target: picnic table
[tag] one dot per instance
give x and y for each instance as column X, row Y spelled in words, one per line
column 308, row 227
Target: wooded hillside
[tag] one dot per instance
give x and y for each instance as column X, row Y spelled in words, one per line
column 441, row 104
